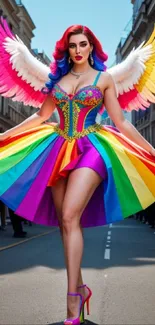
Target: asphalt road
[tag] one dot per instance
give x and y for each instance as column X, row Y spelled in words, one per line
column 118, row 264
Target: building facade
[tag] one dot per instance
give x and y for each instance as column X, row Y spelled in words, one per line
column 13, row 113
column 140, row 30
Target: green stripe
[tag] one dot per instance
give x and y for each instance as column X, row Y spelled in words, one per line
column 127, row 196
column 10, row 161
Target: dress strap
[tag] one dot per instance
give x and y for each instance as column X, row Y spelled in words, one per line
column 97, row 78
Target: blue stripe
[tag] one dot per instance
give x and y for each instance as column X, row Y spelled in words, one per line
column 11, row 175
column 15, row 194
column 70, row 132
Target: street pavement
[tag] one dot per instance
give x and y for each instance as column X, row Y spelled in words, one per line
column 118, row 265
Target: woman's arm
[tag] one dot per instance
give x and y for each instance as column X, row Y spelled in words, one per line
column 115, row 112
column 36, row 119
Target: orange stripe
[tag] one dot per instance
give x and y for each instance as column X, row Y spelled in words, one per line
column 54, row 176
column 68, row 152
column 74, row 153
column 144, row 172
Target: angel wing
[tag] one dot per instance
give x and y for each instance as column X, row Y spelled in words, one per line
column 22, row 76
column 135, row 77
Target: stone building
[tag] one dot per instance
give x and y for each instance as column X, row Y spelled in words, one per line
column 138, row 30
column 12, row 113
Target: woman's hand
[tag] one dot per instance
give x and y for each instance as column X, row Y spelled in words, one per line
column 3, row 136
column 34, row 120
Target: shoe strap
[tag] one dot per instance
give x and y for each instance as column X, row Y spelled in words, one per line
column 82, row 286
column 74, row 294
column 85, row 286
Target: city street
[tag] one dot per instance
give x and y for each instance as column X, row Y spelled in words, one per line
column 77, row 133
column 118, row 264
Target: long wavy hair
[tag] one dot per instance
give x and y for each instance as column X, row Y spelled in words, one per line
column 61, row 65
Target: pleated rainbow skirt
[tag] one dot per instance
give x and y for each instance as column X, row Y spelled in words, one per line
column 33, row 161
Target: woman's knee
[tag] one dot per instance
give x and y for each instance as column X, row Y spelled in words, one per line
column 70, row 219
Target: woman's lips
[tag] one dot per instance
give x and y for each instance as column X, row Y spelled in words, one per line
column 78, row 57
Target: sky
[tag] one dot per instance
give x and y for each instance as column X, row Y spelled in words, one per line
column 107, row 20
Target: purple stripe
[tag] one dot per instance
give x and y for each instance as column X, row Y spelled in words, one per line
column 16, row 193
column 31, row 201
column 94, row 213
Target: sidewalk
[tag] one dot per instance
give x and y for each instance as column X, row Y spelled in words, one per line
column 7, row 241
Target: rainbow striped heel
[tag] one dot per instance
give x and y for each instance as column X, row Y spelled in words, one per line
column 86, row 301
column 75, row 321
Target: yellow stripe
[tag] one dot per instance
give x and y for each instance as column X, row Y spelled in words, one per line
column 67, row 156
column 143, row 193
column 130, row 150
column 146, row 174
column 24, row 142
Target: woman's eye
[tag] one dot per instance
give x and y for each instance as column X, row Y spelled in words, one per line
column 71, row 46
column 84, row 44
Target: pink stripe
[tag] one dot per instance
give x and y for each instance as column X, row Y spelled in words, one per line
column 81, row 118
column 62, row 119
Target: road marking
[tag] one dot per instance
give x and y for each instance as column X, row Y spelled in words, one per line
column 107, row 254
column 129, row 227
column 110, row 225
column 26, row 240
column 108, row 241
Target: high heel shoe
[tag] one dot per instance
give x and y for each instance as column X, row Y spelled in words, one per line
column 86, row 301
column 75, row 321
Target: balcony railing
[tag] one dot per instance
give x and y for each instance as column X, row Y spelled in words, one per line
column 136, row 7
column 126, row 32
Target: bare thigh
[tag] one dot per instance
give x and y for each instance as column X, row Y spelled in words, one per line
column 81, row 185
column 58, row 193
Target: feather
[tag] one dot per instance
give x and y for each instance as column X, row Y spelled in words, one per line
column 134, row 78
column 22, row 75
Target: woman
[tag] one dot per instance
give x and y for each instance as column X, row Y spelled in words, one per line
column 83, row 164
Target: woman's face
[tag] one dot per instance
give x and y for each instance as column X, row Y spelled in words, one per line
column 79, row 48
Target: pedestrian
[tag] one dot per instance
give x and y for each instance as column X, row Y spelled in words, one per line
column 150, row 213
column 16, row 222
column 78, row 173
column 3, row 216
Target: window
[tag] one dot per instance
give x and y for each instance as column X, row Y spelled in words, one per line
column 148, row 133
column 10, row 112
column 18, row 2
column 153, row 134
column 2, row 105
column 136, row 7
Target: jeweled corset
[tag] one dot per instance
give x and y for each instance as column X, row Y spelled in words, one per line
column 77, row 112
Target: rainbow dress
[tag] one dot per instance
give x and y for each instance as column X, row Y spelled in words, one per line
column 33, row 161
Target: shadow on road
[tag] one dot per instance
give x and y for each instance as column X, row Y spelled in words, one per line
column 131, row 245
column 87, row 322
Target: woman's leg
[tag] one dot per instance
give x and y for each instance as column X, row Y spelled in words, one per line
column 58, row 193
column 80, row 187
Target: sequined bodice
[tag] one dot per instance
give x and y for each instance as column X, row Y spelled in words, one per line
column 77, row 112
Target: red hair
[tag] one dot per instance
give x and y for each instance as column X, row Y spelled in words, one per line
column 61, row 48
column 61, row 65
column 62, row 44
